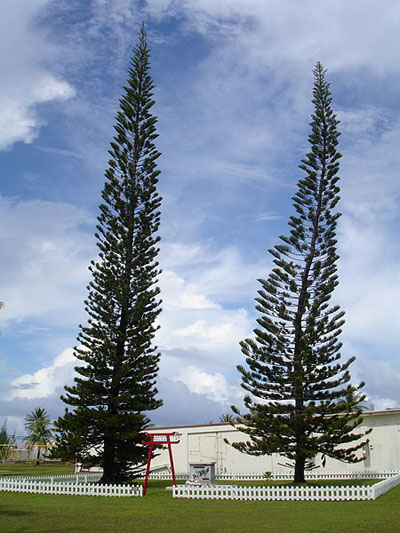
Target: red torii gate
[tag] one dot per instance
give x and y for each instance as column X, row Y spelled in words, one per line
column 160, row 438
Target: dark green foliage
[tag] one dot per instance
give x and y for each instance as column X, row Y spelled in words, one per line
column 228, row 418
column 300, row 399
column 116, row 382
column 37, row 425
column 4, row 438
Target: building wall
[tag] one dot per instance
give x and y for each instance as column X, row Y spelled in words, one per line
column 206, row 443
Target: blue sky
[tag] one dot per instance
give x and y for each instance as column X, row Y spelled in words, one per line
column 234, row 81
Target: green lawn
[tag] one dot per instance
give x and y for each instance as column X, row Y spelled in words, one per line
column 28, row 469
column 158, row 511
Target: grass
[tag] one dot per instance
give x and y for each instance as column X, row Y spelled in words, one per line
column 29, row 469
column 158, row 511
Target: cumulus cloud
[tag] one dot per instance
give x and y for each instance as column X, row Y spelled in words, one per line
column 382, row 381
column 213, row 386
column 212, row 333
column 26, row 81
column 41, row 388
column 46, row 251
column 232, row 158
column 194, row 396
column 202, row 317
column 378, row 403
column 216, row 332
column 182, row 406
column 45, row 254
column 360, row 125
column 345, row 33
column 369, row 288
column 260, row 53
column 46, row 381
column 223, row 273
column 178, row 293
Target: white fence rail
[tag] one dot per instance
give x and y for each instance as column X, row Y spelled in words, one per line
column 338, row 493
column 64, row 487
column 78, row 484
column 221, row 492
column 86, row 477
column 167, row 476
column 286, row 476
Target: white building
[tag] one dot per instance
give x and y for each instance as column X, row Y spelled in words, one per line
column 206, row 444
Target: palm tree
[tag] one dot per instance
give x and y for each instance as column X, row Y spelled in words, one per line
column 4, row 438
column 39, row 433
column 229, row 418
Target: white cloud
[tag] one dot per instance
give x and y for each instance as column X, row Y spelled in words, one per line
column 214, row 331
column 362, row 124
column 223, row 273
column 49, row 88
column 213, row 386
column 202, row 314
column 15, row 425
column 382, row 379
column 26, row 81
column 192, row 319
column 217, row 332
column 45, row 255
column 46, row 381
column 369, row 289
column 180, row 406
column 192, row 396
column 177, row 293
column 378, row 403
column 260, row 217
column 252, row 89
column 226, row 130
column 354, row 34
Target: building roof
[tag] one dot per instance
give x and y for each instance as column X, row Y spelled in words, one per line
column 395, row 410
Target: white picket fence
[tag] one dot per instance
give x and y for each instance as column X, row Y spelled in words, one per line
column 231, row 492
column 167, row 476
column 70, row 488
column 84, row 477
column 221, row 492
column 285, row 476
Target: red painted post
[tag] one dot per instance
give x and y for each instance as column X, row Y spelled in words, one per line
column 148, row 467
column 171, row 460
column 159, row 438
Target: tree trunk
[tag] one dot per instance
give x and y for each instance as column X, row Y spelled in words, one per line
column 299, row 468
column 108, row 463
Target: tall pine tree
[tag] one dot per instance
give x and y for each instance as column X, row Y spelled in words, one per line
column 116, row 381
column 300, row 401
